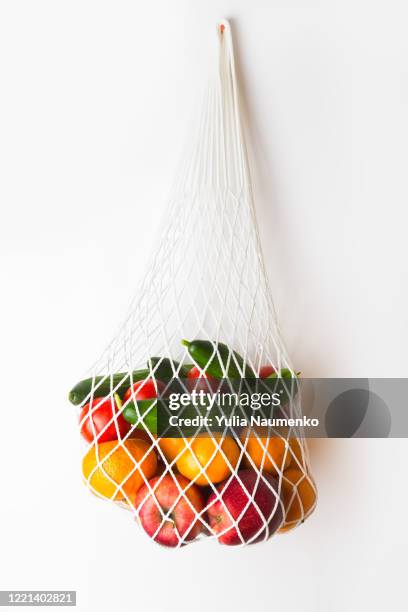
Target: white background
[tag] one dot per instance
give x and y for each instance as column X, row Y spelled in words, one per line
column 95, row 97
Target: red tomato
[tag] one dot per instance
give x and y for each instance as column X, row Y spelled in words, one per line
column 100, row 416
column 144, row 389
column 197, row 373
column 266, row 371
column 210, row 384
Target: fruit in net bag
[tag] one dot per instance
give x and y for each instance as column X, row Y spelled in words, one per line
column 299, row 497
column 168, row 509
column 203, row 320
column 208, row 459
column 266, row 452
column 245, row 509
column 101, row 420
column 117, row 471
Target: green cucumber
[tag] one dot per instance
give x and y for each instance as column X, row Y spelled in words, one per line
column 165, row 368
column 146, row 415
column 215, row 358
column 103, row 385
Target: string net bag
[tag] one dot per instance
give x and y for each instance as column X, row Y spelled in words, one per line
column 203, row 317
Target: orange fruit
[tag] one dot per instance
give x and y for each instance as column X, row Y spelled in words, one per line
column 298, row 496
column 213, row 454
column 123, row 471
column 296, row 450
column 295, row 445
column 171, row 447
column 271, row 454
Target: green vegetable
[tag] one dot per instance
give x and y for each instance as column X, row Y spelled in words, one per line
column 84, row 387
column 167, row 368
column 131, row 414
column 215, row 359
column 146, row 415
column 285, row 373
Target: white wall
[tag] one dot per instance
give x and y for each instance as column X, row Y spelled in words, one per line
column 93, row 112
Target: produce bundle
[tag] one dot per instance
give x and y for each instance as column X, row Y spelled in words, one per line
column 160, row 441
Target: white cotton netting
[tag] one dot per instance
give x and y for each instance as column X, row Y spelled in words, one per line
column 205, row 281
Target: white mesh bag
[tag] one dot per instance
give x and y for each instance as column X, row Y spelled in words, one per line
column 203, row 319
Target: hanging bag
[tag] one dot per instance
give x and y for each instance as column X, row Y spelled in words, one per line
column 202, row 321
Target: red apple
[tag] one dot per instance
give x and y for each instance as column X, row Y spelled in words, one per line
column 181, row 525
column 264, row 506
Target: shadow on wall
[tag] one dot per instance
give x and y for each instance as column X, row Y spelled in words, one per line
column 355, row 413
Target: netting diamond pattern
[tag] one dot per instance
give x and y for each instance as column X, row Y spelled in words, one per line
column 206, row 280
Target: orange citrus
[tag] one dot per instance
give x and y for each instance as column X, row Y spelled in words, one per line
column 123, row 472
column 298, row 496
column 296, row 450
column 271, row 454
column 208, row 460
column 295, row 445
column 171, row 447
